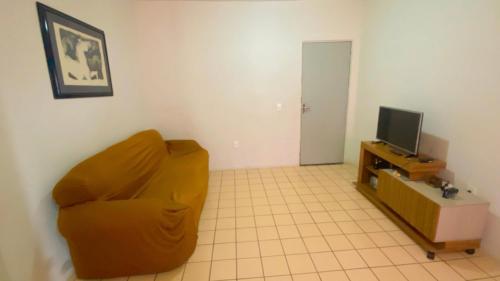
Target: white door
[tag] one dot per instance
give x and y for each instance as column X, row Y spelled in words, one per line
column 325, row 87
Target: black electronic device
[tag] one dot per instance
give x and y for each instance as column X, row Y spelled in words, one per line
column 449, row 193
column 400, row 129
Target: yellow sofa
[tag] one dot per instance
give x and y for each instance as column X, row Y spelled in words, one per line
column 134, row 207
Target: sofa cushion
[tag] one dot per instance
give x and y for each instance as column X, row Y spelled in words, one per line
column 181, row 179
column 115, row 173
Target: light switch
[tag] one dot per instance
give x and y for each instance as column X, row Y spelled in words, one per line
column 279, row 106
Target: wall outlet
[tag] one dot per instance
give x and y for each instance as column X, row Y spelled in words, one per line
column 236, row 144
column 279, row 107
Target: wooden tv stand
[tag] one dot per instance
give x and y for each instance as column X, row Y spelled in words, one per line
column 435, row 223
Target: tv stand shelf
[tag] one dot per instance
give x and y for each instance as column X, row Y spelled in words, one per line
column 435, row 223
column 410, row 166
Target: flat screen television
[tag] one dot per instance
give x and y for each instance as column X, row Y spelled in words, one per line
column 400, row 129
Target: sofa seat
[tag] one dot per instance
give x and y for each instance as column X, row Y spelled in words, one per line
column 155, row 228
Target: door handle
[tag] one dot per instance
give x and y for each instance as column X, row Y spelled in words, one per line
column 305, row 108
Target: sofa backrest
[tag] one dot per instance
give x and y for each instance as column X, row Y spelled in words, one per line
column 116, row 173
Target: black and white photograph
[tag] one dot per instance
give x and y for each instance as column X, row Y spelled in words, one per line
column 76, row 55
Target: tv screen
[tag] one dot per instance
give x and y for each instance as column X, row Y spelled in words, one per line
column 400, row 128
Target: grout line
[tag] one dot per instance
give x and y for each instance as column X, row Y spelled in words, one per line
column 215, row 231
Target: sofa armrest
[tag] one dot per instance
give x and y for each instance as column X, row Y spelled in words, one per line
column 131, row 233
column 181, row 147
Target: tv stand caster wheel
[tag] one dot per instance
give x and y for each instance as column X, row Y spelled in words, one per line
column 431, row 255
column 470, row 251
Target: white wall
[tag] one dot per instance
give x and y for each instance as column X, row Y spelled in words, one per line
column 214, row 70
column 41, row 138
column 442, row 58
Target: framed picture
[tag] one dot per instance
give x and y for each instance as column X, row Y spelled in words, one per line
column 76, row 55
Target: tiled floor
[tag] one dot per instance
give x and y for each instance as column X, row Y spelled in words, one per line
column 307, row 224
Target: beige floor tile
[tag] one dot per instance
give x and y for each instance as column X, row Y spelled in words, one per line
column 286, row 197
column 227, row 213
column 244, row 207
column 333, row 206
column 358, row 215
column 274, row 266
column 375, row 214
column 147, row 277
column 198, row 271
column 205, row 225
column 488, row 265
column 279, row 278
column 382, row 239
column 467, row 269
column 206, row 237
column 209, row 213
column 250, row 268
column 325, row 261
column 300, row 264
column 374, row 257
column 226, row 223
column 224, row 251
column 297, row 208
column 275, row 200
column 247, row 250
column 225, row 236
column 246, row 234
column 350, row 259
column 288, row 231
column 283, row 219
column 262, row 210
column 451, row 256
column 341, row 196
column 308, row 230
column 418, row 253
column 293, row 246
column 390, row 273
column 398, row 255
column 401, row 237
column 227, row 203
column 386, row 224
column 315, row 207
column 306, row 277
column 245, row 222
column 259, row 201
column 339, row 242
column 415, row 272
column 291, row 199
column 334, row 276
column 321, row 217
column 271, row 248
column 349, row 227
column 223, row 270
column 266, row 220
column 364, row 274
column 442, row 272
column 361, row 241
column 267, row 233
column 349, row 205
column 279, row 209
column 369, row 226
column 329, row 228
column 201, row 253
column 172, row 275
column 316, row 244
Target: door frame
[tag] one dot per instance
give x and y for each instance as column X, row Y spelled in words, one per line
column 302, row 96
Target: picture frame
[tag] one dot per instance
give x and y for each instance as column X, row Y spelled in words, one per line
column 77, row 56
